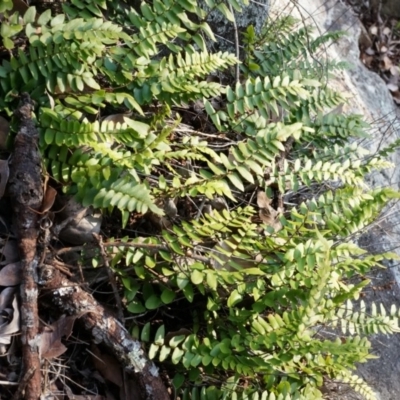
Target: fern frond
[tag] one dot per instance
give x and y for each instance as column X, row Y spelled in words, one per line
column 266, row 96
column 289, row 51
column 123, row 194
column 173, row 83
column 334, row 129
column 358, row 384
column 247, row 161
column 359, row 321
column 59, row 130
column 319, row 101
column 85, row 8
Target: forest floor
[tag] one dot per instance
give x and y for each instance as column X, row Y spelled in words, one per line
column 380, row 46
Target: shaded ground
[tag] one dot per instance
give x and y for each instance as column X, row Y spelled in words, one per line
column 380, row 44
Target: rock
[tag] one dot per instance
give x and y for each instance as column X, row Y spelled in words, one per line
column 81, row 231
column 170, row 208
column 77, row 223
column 4, row 130
column 254, row 14
column 219, row 203
column 371, row 98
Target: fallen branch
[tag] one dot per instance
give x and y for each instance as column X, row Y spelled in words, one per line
column 26, row 191
column 23, row 383
column 70, row 298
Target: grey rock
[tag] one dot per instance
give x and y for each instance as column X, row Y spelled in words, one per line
column 170, row 208
column 219, row 203
column 254, row 14
column 370, row 97
column 78, row 223
column 81, row 231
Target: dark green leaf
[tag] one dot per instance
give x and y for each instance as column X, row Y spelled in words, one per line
column 178, row 380
column 136, row 307
column 167, row 296
column 153, row 302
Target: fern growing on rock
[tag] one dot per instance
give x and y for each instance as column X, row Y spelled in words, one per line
column 115, row 98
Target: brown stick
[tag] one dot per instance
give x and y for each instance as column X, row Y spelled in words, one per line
column 26, row 192
column 73, row 300
column 111, row 277
column 22, row 383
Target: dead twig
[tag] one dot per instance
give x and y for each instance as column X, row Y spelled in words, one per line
column 148, row 246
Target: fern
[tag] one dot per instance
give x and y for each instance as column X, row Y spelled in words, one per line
column 112, row 95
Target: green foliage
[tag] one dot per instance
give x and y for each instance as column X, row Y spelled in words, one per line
column 111, row 96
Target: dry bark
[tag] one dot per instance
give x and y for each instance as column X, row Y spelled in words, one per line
column 71, row 299
column 26, row 191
